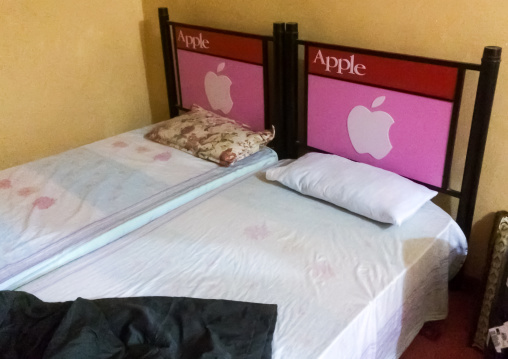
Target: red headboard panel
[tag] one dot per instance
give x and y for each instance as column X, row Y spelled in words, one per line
column 414, row 77
column 220, row 44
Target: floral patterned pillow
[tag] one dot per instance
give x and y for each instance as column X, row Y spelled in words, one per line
column 207, row 135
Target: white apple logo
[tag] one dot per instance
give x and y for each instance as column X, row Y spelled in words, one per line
column 218, row 90
column 369, row 131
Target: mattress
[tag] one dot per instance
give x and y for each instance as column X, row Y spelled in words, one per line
column 58, row 208
column 345, row 286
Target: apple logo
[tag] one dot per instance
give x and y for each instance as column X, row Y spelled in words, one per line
column 369, row 131
column 218, row 90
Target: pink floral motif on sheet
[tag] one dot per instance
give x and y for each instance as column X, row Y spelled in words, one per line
column 44, row 202
column 257, row 232
column 142, row 149
column 120, row 144
column 5, row 184
column 164, row 156
column 302, row 310
column 321, row 269
column 26, row 191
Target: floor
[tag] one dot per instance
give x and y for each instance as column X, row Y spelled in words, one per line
column 449, row 338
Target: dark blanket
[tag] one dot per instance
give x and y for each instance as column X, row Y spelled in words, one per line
column 142, row 327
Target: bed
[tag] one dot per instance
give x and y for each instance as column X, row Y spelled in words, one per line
column 59, row 208
column 333, row 284
column 345, row 285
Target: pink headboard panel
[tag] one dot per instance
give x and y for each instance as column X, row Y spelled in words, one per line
column 222, row 73
column 411, row 141
column 391, row 113
column 246, row 102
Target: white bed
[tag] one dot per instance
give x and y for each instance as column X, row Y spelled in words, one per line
column 345, row 286
column 58, row 208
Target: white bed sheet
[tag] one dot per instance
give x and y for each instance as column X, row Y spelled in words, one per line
column 59, row 208
column 346, row 287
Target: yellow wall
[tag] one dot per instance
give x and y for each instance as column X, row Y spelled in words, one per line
column 74, row 72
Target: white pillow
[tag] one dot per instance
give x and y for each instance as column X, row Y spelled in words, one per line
column 372, row 192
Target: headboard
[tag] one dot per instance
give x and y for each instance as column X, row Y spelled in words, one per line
column 393, row 111
column 223, row 71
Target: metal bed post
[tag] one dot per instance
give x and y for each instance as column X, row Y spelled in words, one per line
column 169, row 68
column 291, row 88
column 478, row 136
column 280, row 145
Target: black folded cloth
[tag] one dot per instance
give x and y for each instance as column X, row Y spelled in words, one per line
column 137, row 327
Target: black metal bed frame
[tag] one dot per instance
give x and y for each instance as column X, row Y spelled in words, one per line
column 488, row 72
column 286, row 99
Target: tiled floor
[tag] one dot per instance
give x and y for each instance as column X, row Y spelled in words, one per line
column 449, row 338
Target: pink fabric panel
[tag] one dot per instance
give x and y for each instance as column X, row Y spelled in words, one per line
column 418, row 135
column 246, row 104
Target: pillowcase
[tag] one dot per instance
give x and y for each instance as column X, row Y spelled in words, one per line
column 370, row 191
column 207, row 135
